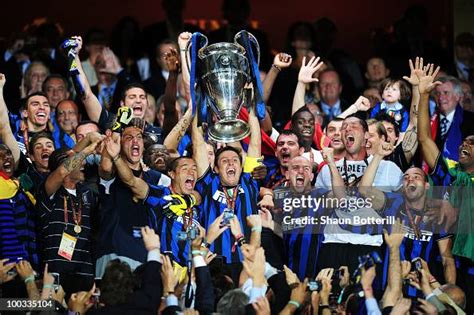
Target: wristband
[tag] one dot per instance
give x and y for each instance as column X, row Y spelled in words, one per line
column 47, row 286
column 205, row 244
column 197, row 253
column 324, row 306
column 276, row 67
column 29, row 278
column 257, row 229
column 294, row 303
column 116, row 158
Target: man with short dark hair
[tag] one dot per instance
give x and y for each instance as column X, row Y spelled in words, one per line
column 56, row 88
column 287, row 147
column 64, row 207
column 133, row 96
column 121, row 217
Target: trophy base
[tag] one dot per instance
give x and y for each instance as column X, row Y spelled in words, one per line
column 229, row 131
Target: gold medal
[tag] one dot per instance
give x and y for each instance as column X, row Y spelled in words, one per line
column 77, row 229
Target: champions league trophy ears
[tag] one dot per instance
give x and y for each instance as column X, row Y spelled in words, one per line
column 125, row 119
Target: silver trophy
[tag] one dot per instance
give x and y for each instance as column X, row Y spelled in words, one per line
column 225, row 74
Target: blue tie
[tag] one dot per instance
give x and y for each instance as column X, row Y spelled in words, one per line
column 444, row 126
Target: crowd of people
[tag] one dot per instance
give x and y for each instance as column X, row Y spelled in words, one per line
column 115, row 200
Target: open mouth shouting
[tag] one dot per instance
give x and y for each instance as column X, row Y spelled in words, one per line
column 41, row 116
column 299, row 180
column 135, row 150
column 464, row 152
column 45, row 157
column 231, row 172
column 8, row 166
column 137, row 110
column 350, row 139
column 189, row 183
column 285, row 157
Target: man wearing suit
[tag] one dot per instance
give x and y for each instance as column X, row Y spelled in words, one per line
column 454, row 123
column 330, row 89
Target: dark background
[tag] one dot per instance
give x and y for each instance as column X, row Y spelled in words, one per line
column 355, row 19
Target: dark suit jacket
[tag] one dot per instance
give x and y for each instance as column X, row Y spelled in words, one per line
column 146, row 300
column 466, row 127
column 12, row 71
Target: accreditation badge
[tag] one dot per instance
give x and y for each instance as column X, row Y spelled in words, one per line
column 67, row 245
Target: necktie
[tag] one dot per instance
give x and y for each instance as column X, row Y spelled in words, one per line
column 444, row 127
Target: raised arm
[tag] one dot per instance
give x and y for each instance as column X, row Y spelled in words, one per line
column 449, row 267
column 410, row 140
column 199, row 148
column 394, row 282
column 305, row 76
column 428, row 146
column 254, row 150
column 362, row 104
column 366, row 187
column 6, row 134
column 280, row 62
column 169, row 100
column 337, row 183
column 185, row 76
column 138, row 186
column 179, row 130
column 90, row 101
column 55, row 179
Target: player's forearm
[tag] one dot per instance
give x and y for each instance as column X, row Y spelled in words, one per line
column 298, row 98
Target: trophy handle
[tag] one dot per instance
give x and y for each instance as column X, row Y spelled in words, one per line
column 189, row 45
column 252, row 39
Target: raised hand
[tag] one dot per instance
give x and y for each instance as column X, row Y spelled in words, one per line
column 196, row 243
column 112, row 145
column 282, row 60
column 307, row 70
column 394, row 239
column 362, row 104
column 267, row 220
column 328, row 155
column 291, row 277
column 261, row 306
column 112, row 63
column 216, row 229
column 254, row 220
column 384, row 149
column 150, row 239
column 168, row 277
column 183, row 39
column 427, row 83
column 172, row 60
column 78, row 40
column 415, row 71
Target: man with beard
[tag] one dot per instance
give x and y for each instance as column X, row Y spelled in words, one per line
column 172, row 206
column 121, row 217
column 133, row 97
column 343, row 244
column 287, row 147
column 64, row 207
